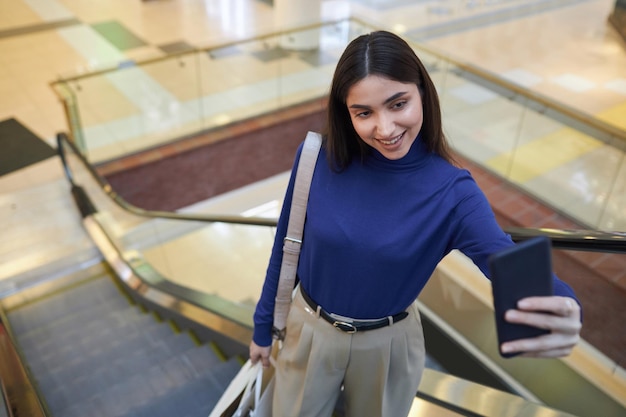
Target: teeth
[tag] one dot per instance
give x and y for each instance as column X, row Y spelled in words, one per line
column 390, row 142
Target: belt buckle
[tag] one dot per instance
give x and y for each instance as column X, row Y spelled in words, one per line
column 345, row 327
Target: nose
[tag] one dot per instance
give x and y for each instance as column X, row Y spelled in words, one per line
column 384, row 126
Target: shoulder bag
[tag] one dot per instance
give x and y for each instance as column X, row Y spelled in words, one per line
column 250, row 393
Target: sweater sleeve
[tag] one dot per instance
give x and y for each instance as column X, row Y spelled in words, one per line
column 478, row 235
column 264, row 313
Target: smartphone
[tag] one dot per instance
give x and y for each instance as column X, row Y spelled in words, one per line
column 520, row 271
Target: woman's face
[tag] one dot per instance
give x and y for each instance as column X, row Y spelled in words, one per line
column 386, row 114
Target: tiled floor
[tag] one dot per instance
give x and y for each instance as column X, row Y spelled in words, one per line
column 561, row 49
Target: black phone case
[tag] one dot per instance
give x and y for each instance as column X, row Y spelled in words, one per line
column 521, row 271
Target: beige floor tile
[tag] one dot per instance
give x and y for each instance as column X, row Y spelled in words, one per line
column 16, row 14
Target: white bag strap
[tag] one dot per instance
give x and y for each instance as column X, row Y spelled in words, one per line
column 258, row 385
column 240, row 383
column 295, row 229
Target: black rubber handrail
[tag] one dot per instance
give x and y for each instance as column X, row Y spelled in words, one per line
column 63, row 141
column 579, row 240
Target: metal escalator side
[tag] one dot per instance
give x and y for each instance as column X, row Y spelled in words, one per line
column 457, row 303
column 19, row 395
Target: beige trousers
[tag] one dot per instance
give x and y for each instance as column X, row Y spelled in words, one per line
column 380, row 370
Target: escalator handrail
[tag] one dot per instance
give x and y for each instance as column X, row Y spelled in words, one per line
column 63, row 141
column 581, row 240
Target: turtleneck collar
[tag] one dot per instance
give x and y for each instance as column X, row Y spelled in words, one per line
column 417, row 156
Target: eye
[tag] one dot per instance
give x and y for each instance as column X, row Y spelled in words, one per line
column 398, row 104
column 362, row 114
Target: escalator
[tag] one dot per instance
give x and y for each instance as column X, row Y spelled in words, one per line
column 91, row 352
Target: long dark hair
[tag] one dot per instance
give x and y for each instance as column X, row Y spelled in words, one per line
column 387, row 55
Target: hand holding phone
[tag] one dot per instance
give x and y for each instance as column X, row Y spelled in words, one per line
column 520, row 271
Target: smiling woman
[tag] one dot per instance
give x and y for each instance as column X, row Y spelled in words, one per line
column 387, row 65
column 386, row 114
column 386, row 205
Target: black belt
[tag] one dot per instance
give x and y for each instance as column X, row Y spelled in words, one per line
column 353, row 326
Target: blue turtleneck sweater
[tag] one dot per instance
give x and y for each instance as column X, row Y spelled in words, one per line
column 375, row 232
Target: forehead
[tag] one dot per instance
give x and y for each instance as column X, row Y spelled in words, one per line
column 375, row 89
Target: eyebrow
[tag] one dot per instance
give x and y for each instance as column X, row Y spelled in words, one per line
column 390, row 99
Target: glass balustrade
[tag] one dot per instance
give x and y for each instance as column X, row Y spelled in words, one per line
column 225, row 261
column 535, row 145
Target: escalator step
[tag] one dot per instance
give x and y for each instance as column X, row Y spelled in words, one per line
column 93, row 354
column 169, row 389
column 82, row 379
column 36, row 319
column 126, row 352
column 53, row 307
column 220, row 376
column 202, row 359
column 49, row 346
column 194, row 399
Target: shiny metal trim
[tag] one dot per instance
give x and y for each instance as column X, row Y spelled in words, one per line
column 292, row 240
column 239, row 329
column 476, row 398
column 345, row 327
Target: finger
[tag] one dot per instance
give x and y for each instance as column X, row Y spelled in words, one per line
column 265, row 360
column 569, row 307
column 550, row 345
column 568, row 326
column 533, row 349
column 254, row 359
column 561, row 306
column 539, row 320
column 552, row 353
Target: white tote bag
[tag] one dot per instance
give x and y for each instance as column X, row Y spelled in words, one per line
column 249, row 394
column 231, row 398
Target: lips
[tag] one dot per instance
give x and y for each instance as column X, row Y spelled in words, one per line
column 392, row 141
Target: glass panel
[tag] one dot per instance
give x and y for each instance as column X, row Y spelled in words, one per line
column 568, row 170
column 479, row 123
column 225, row 260
column 222, row 259
column 139, row 106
